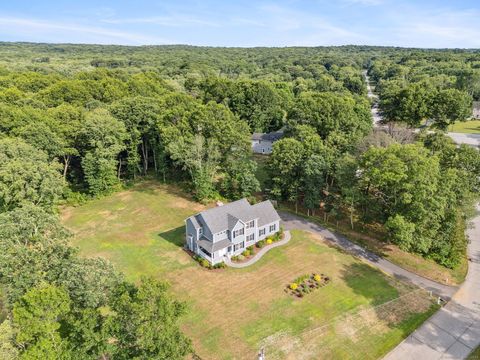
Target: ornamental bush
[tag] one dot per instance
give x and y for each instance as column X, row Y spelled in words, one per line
column 269, row 241
column 204, row 263
column 260, row 244
column 293, row 286
column 317, row 277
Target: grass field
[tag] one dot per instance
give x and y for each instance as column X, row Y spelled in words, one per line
column 469, row 127
column 261, row 173
column 233, row 312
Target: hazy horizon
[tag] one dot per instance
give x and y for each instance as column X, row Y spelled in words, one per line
column 285, row 23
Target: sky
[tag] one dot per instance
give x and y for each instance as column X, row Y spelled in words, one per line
column 408, row 23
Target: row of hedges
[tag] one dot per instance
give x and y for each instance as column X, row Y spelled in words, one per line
column 206, row 264
column 250, row 251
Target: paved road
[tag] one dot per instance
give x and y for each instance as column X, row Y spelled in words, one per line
column 469, row 139
column 259, row 254
column 453, row 331
column 291, row 221
column 375, row 111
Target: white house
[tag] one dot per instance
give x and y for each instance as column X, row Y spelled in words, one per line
column 227, row 230
column 262, row 143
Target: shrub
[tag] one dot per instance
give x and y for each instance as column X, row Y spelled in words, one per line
column 234, row 258
column 293, row 286
column 220, row 266
column 269, row 241
column 317, row 277
column 205, row 263
column 261, row 244
column 246, row 253
column 251, row 249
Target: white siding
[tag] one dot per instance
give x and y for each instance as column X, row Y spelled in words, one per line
column 262, row 146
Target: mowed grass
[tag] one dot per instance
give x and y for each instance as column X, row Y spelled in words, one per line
column 233, row 312
column 468, row 127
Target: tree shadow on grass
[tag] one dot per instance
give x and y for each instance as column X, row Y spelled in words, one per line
column 175, row 236
column 369, row 283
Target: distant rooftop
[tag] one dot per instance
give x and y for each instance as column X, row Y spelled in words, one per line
column 271, row 136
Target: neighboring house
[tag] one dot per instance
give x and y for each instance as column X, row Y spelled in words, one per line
column 227, row 230
column 262, row 142
column 476, row 110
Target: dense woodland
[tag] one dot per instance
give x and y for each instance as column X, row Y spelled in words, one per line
column 80, row 121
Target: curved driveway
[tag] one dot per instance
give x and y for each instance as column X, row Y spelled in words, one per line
column 291, row 221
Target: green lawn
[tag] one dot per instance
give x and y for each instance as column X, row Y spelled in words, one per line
column 469, row 127
column 233, row 312
column 261, row 173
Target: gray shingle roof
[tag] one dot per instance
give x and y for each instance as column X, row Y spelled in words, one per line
column 226, row 216
column 195, row 222
column 272, row 136
column 211, row 247
column 265, row 212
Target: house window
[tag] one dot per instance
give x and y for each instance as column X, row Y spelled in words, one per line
column 250, row 224
column 251, row 237
column 261, row 232
column 238, row 232
column 272, row 227
column 238, row 246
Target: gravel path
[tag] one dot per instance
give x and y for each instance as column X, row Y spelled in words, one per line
column 259, row 254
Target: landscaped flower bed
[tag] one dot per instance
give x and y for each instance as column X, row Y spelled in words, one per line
column 305, row 284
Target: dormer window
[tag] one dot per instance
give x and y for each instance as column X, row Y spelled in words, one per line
column 200, row 230
column 250, row 224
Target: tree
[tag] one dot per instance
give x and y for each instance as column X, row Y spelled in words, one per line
column 104, row 139
column 140, row 116
column 402, row 232
column 34, row 248
column 144, row 323
column 27, row 176
column 328, row 112
column 314, row 175
column 200, row 159
column 38, row 316
column 285, row 165
column 451, row 105
column 240, row 180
